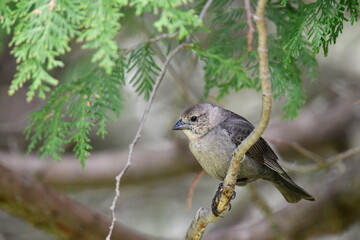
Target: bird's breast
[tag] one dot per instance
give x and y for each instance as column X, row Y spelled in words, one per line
column 213, row 151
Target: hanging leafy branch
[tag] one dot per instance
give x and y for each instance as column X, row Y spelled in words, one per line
column 73, row 110
column 171, row 18
column 301, row 30
column 142, row 62
column 41, row 35
column 101, row 25
column 42, row 30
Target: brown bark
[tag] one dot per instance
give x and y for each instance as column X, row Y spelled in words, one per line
column 335, row 209
column 160, row 160
column 53, row 212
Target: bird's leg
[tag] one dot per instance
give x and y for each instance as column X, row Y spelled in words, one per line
column 217, row 198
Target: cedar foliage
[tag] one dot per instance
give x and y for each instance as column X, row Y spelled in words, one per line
column 42, row 30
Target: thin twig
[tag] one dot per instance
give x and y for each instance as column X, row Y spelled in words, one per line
column 186, row 93
column 328, row 162
column 138, row 133
column 151, row 40
column 348, row 153
column 192, row 189
column 250, row 33
column 204, row 216
column 147, row 109
column 204, row 10
column 264, row 75
column 300, row 149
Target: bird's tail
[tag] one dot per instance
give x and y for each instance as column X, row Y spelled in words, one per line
column 290, row 190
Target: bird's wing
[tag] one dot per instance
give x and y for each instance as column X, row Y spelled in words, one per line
column 239, row 128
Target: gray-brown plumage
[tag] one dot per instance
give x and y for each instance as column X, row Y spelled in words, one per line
column 214, row 133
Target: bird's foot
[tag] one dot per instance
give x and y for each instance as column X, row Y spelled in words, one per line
column 217, row 198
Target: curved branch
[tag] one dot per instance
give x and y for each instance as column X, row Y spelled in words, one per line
column 138, row 133
column 146, row 112
column 336, row 209
column 204, row 216
column 53, row 212
column 264, row 75
column 250, row 33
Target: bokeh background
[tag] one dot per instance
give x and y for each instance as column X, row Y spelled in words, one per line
column 154, row 190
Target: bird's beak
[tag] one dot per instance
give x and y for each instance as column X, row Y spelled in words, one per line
column 180, row 125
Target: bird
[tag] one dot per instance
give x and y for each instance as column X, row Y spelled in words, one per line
column 214, row 133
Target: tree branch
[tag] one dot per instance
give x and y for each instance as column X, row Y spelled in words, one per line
column 158, row 160
column 250, row 33
column 192, row 189
column 146, row 112
column 138, row 133
column 336, row 209
column 205, row 8
column 46, row 209
column 204, row 216
column 300, row 149
column 327, row 163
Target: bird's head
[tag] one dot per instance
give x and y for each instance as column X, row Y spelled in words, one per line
column 198, row 120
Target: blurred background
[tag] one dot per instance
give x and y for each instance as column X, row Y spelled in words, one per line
column 154, row 191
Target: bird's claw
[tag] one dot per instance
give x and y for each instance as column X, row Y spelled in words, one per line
column 216, row 200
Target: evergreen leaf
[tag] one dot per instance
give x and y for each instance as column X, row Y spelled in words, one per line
column 146, row 70
column 73, row 110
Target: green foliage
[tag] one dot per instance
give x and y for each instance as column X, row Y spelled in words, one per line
column 178, row 21
column 225, row 64
column 6, row 16
column 175, row 20
column 73, row 110
column 101, row 25
column 43, row 29
column 301, row 30
column 321, row 22
column 286, row 66
column 143, row 63
column 224, row 73
column 41, row 34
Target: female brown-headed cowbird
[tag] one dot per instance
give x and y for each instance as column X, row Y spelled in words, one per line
column 214, row 133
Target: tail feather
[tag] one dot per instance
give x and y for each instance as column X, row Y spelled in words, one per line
column 290, row 190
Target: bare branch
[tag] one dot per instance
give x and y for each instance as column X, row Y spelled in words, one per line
column 147, row 109
column 138, row 133
column 192, row 189
column 250, row 33
column 264, row 75
column 300, row 149
column 53, row 212
column 328, row 162
column 336, row 209
column 204, row 216
column 341, row 156
column 204, row 10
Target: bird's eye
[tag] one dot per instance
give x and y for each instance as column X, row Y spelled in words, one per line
column 193, row 118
